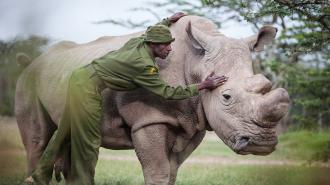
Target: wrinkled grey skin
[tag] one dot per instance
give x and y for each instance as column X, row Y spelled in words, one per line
column 243, row 112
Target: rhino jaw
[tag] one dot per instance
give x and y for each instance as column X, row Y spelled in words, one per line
column 249, row 145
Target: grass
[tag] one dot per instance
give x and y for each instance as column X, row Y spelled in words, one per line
column 127, row 173
column 300, row 145
column 303, row 145
column 294, row 146
column 12, row 155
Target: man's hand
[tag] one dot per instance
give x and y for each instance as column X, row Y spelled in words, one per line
column 211, row 82
column 175, row 17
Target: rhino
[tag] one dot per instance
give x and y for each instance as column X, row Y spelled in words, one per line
column 243, row 112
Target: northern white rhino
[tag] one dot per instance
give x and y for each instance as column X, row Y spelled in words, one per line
column 243, row 112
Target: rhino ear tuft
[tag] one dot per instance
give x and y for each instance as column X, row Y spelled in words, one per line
column 198, row 39
column 23, row 59
column 264, row 37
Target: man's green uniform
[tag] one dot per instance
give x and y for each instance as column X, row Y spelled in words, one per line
column 128, row 68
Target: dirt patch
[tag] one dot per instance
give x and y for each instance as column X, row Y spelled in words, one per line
column 226, row 161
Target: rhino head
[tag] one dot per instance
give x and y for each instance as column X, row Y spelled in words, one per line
column 245, row 110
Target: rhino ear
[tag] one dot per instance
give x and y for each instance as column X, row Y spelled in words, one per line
column 199, row 40
column 264, row 37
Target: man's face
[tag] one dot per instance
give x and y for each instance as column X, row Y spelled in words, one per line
column 161, row 50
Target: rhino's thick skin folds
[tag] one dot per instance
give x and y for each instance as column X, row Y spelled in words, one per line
column 243, row 112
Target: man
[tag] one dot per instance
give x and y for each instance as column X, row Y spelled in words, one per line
column 127, row 68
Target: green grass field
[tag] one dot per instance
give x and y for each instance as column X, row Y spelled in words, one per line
column 212, row 163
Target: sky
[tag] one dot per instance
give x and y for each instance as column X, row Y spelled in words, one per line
column 74, row 19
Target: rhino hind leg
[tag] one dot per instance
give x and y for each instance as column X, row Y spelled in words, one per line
column 36, row 128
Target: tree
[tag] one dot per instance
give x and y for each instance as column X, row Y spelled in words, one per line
column 9, row 70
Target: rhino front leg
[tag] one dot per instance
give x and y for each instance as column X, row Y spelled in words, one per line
column 151, row 149
column 177, row 158
column 174, row 166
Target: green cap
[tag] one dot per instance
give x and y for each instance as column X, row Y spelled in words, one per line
column 158, row 34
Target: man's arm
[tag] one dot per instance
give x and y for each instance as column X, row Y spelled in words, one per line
column 170, row 20
column 150, row 80
column 211, row 82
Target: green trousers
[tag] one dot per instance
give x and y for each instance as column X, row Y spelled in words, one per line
column 80, row 126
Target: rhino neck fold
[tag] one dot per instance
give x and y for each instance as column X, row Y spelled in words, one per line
column 202, row 122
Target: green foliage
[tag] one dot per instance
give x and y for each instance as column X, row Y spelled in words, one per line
column 323, row 155
column 309, row 90
column 304, row 145
column 305, row 23
column 9, row 70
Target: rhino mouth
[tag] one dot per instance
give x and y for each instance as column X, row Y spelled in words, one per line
column 262, row 142
column 257, row 145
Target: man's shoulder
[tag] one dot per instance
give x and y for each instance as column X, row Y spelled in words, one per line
column 145, row 58
column 134, row 42
column 141, row 63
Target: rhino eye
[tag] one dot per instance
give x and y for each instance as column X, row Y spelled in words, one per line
column 227, row 99
column 226, row 96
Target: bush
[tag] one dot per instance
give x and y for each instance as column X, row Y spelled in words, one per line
column 9, row 70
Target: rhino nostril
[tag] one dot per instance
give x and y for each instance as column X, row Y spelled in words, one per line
column 265, row 89
column 241, row 143
column 245, row 138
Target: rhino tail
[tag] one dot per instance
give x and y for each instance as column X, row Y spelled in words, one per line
column 23, row 59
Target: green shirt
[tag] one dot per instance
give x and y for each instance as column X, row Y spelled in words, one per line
column 133, row 66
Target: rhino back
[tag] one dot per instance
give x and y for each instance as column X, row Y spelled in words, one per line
column 51, row 71
column 46, row 78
